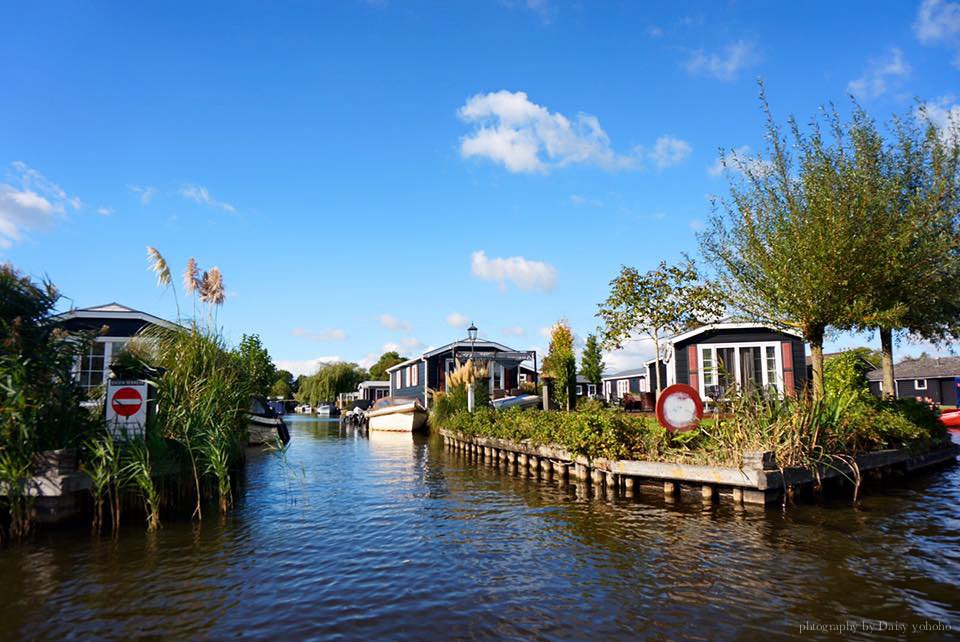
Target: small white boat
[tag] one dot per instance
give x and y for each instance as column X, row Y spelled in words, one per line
column 304, row 409
column 328, row 410
column 397, row 415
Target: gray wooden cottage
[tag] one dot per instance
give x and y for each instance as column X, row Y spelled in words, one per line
column 509, row 368
column 750, row 356
column 935, row 378
column 115, row 326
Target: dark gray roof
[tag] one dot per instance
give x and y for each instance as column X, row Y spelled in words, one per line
column 924, row 368
column 626, row 374
column 830, row 355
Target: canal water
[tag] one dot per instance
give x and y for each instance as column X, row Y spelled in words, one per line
column 392, row 537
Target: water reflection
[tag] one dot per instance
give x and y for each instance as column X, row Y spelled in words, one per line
column 392, row 536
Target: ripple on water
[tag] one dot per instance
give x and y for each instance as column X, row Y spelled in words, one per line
column 394, row 537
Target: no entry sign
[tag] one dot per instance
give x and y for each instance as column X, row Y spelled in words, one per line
column 127, row 407
column 679, row 408
column 126, row 401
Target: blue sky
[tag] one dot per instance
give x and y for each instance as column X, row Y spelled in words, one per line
column 378, row 174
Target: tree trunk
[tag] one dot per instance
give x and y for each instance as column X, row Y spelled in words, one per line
column 886, row 347
column 816, row 358
column 656, row 362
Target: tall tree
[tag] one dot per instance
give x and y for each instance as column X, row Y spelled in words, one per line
column 256, row 363
column 787, row 244
column 591, row 361
column 329, row 381
column 378, row 371
column 917, row 287
column 561, row 364
column 663, row 301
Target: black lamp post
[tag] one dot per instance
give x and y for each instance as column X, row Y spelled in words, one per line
column 472, row 335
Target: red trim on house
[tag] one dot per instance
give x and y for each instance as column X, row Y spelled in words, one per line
column 789, row 386
column 692, row 368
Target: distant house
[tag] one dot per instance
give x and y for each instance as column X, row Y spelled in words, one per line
column 618, row 384
column 508, row 368
column 117, row 325
column 373, row 390
column 586, row 388
column 936, row 378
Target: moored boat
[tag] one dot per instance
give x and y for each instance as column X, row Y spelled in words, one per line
column 328, row 410
column 397, row 415
column 951, row 419
column 264, row 426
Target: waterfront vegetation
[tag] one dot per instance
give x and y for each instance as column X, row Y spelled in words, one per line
column 194, row 438
column 801, row 431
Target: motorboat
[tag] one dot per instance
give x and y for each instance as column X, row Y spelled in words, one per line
column 951, row 419
column 397, row 415
column 328, row 410
column 264, row 426
column 518, row 401
column 304, row 409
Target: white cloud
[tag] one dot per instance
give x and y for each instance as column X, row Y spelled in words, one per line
column 724, row 65
column 578, row 200
column 740, row 160
column 513, row 331
column 305, row 366
column 545, row 331
column 633, row 354
column 524, row 273
column 457, row 320
column 696, row 225
column 104, row 211
column 944, row 116
column 30, row 202
column 391, row 322
column 322, row 335
column 879, row 74
column 527, row 137
column 669, row 151
column 200, row 194
column 406, row 346
column 654, row 31
column 146, row 193
column 938, row 22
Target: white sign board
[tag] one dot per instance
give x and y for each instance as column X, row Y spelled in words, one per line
column 127, row 407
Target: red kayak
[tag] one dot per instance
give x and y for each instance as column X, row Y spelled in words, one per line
column 951, row 419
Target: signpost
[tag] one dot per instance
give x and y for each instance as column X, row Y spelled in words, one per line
column 679, row 408
column 127, row 407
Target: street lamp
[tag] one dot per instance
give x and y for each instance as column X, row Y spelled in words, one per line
column 472, row 334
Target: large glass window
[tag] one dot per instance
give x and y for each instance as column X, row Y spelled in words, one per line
column 744, row 367
column 92, row 365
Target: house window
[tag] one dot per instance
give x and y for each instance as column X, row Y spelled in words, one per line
column 522, row 377
column 397, row 379
column 770, row 363
column 380, row 393
column 93, row 365
column 592, row 389
column 496, row 376
column 413, row 375
column 623, row 387
column 920, row 384
column 579, row 390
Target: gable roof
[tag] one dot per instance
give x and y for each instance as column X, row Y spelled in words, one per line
column 373, row 384
column 114, row 310
column 924, row 368
column 479, row 343
column 625, row 374
column 730, row 325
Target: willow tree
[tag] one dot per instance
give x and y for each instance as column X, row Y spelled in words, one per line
column 789, row 248
column 917, row 285
column 655, row 304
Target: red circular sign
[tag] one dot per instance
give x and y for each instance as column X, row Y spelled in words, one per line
column 679, row 408
column 126, row 402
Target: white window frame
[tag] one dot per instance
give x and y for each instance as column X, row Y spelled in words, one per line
column 713, row 374
column 522, row 377
column 496, row 369
column 398, row 379
column 108, row 355
column 413, row 375
column 592, row 389
column 579, row 390
column 917, row 386
column 623, row 387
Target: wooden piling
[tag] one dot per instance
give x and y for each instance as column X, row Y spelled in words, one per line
column 707, row 493
column 669, row 491
column 737, row 495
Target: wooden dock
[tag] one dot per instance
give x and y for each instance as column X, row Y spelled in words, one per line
column 759, row 481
